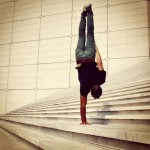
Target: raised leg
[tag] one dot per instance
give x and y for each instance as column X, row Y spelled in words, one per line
column 81, row 39
column 90, row 45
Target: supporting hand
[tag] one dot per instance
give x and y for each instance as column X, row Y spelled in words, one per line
column 85, row 123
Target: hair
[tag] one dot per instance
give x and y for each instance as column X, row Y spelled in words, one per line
column 96, row 91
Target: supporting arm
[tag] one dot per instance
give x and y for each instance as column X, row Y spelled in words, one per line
column 83, row 102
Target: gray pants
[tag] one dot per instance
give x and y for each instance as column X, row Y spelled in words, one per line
column 86, row 51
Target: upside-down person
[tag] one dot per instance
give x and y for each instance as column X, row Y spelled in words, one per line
column 91, row 73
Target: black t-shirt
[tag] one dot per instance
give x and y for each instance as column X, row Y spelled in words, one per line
column 89, row 75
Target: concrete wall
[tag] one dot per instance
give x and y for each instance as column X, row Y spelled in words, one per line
column 148, row 8
column 38, row 40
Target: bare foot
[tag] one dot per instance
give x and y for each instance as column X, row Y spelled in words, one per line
column 85, row 123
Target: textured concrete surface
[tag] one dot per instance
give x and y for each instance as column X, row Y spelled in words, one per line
column 38, row 39
column 47, row 141
column 9, row 142
column 120, row 118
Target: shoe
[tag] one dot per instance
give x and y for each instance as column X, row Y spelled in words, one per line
column 86, row 7
column 89, row 8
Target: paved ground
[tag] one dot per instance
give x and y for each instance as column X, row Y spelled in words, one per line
column 9, row 142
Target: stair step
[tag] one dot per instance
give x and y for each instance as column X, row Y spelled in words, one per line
column 127, row 91
column 126, row 82
column 50, row 142
column 146, row 89
column 136, row 98
column 133, row 133
column 93, row 116
column 89, row 109
column 133, row 85
column 120, row 117
column 92, row 103
column 12, row 143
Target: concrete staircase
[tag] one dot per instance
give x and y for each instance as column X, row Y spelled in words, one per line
column 120, row 118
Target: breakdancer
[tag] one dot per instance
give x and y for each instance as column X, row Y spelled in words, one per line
column 91, row 73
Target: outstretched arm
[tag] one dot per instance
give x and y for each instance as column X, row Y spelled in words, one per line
column 98, row 59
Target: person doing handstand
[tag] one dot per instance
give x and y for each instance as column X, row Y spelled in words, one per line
column 91, row 74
